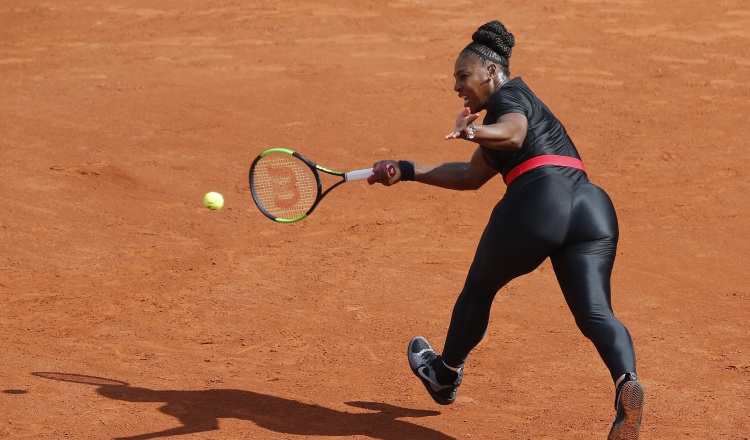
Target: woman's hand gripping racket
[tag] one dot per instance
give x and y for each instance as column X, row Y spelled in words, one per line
column 286, row 186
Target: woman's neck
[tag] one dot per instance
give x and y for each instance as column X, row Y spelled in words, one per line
column 500, row 83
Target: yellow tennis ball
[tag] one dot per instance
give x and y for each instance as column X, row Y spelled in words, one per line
column 213, row 200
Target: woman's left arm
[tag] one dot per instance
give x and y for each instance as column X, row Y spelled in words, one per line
column 508, row 133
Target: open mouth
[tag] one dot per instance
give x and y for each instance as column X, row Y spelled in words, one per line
column 465, row 98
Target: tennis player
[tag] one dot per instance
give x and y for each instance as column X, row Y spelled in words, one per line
column 550, row 209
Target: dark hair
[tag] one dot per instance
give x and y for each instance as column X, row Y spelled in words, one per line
column 492, row 42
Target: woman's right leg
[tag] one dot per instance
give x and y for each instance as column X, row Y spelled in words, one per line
column 525, row 227
column 505, row 251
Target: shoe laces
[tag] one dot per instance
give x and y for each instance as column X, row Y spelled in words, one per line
column 429, row 356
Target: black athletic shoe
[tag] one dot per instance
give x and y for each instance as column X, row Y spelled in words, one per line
column 423, row 362
column 629, row 405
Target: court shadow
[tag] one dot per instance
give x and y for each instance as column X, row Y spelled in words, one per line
column 200, row 411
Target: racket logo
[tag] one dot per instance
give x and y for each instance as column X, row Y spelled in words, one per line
column 284, row 182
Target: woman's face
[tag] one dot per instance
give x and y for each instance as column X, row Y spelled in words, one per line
column 474, row 81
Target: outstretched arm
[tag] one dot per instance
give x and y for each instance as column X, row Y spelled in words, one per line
column 451, row 175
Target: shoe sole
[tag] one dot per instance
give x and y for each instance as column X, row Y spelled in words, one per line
column 631, row 401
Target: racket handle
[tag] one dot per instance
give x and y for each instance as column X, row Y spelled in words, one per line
column 358, row 175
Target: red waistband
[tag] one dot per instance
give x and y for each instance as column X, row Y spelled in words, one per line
column 547, row 159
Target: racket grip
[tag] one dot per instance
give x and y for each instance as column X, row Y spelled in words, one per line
column 358, row 175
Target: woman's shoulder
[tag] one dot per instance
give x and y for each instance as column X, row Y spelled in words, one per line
column 516, row 85
column 511, row 87
column 513, row 96
column 516, row 81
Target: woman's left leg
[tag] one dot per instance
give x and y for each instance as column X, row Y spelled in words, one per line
column 584, row 278
column 583, row 266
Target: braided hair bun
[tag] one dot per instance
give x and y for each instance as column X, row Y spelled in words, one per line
column 493, row 43
column 494, row 36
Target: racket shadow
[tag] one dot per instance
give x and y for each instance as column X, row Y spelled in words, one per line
column 200, row 411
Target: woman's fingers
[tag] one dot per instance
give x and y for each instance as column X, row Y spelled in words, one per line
column 385, row 172
column 463, row 120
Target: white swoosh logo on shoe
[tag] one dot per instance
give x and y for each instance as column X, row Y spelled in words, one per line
column 433, row 385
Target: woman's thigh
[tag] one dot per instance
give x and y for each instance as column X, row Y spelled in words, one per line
column 525, row 228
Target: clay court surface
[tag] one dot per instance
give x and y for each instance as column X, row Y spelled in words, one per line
column 129, row 310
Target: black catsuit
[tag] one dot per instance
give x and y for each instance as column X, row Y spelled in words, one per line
column 550, row 211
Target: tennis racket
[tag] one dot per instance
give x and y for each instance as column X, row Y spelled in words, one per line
column 287, row 187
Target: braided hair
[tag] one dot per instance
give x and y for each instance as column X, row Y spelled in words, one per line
column 492, row 42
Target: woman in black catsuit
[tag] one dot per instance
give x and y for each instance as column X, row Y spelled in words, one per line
column 550, row 209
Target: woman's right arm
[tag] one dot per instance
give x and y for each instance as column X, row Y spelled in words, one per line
column 451, row 175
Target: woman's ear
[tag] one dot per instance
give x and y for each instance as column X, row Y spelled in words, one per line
column 492, row 70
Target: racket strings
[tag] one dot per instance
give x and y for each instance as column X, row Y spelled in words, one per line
column 284, row 186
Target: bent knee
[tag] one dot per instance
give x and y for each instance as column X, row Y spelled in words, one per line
column 602, row 327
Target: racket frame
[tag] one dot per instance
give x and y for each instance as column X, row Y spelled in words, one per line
column 315, row 168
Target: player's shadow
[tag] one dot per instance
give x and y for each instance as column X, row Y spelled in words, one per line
column 200, row 411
